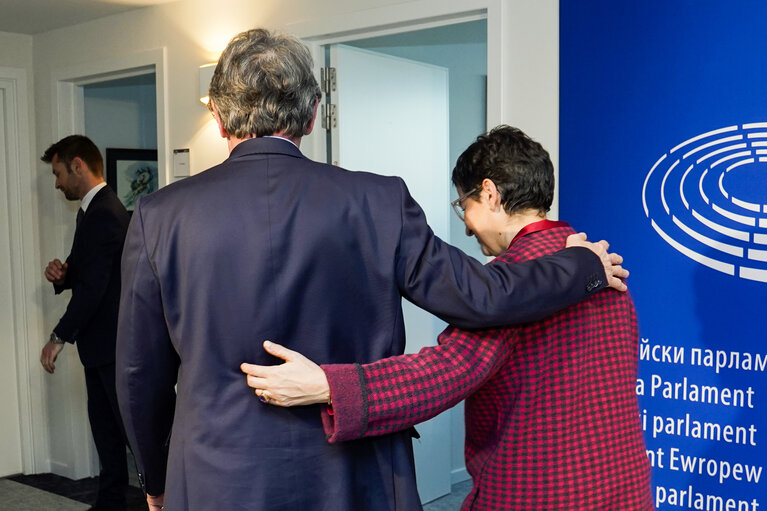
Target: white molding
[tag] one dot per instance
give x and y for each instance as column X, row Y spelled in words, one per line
column 390, row 19
column 68, row 82
column 25, row 273
column 496, row 100
column 459, row 475
column 398, row 18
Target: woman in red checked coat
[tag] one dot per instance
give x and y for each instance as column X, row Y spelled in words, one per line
column 552, row 419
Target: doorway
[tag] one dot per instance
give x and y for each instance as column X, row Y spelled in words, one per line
column 408, row 104
column 121, row 113
column 461, row 48
column 117, row 103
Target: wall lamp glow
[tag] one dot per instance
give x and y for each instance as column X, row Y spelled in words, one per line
column 206, row 74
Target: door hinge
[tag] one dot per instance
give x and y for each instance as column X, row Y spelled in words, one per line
column 329, row 118
column 328, row 79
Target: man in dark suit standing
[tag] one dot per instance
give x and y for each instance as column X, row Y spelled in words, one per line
column 92, row 272
column 271, row 245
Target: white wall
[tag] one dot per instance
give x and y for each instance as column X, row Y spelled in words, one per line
column 522, row 36
column 122, row 113
column 530, row 75
column 16, row 50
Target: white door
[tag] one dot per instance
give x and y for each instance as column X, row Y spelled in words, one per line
column 392, row 119
column 10, row 426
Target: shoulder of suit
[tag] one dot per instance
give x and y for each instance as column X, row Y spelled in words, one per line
column 364, row 175
column 104, row 194
column 106, row 201
column 199, row 183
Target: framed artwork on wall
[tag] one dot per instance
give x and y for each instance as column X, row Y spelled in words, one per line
column 131, row 173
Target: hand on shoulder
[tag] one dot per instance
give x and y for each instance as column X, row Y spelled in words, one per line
column 614, row 272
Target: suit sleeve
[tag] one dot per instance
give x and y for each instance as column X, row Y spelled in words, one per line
column 396, row 393
column 147, row 364
column 460, row 290
column 102, row 239
column 67, row 284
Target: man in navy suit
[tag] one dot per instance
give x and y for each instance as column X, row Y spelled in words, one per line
column 271, row 245
column 92, row 272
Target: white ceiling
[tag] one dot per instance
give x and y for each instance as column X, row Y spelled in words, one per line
column 36, row 16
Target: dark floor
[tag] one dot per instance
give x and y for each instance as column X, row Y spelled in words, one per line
column 82, row 490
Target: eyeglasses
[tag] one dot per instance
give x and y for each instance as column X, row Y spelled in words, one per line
column 457, row 204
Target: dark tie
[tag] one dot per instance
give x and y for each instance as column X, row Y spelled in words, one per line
column 80, row 214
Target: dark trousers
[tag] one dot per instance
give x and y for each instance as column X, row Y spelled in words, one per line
column 108, row 435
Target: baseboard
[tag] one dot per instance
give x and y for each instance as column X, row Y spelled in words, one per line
column 459, row 475
column 64, row 470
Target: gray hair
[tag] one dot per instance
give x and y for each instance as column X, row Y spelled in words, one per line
column 263, row 84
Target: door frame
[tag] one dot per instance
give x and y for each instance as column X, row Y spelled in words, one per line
column 26, row 279
column 420, row 15
column 522, row 86
column 389, row 20
column 68, row 95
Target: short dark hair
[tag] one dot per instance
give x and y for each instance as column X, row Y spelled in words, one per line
column 264, row 84
column 76, row 146
column 519, row 166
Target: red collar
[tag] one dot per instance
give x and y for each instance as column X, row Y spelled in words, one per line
column 538, row 226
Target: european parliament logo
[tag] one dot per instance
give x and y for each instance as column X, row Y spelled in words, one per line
column 707, row 198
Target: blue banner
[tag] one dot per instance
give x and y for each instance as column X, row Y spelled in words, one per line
column 663, row 151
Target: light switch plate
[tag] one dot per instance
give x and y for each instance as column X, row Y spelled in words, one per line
column 180, row 162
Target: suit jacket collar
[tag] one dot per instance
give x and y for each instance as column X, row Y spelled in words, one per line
column 100, row 196
column 88, row 199
column 262, row 145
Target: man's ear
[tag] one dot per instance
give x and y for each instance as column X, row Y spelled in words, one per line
column 314, row 117
column 78, row 166
column 221, row 130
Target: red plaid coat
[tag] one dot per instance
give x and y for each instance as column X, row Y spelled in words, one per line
column 552, row 420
